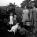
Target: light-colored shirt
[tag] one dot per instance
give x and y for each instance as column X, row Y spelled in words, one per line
column 25, row 15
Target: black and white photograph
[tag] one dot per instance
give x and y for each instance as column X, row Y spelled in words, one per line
column 18, row 18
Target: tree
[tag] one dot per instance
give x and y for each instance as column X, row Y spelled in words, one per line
column 25, row 3
column 28, row 4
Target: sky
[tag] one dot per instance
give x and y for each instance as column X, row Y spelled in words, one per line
column 6, row 2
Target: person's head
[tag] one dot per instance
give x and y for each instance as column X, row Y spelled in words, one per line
column 15, row 16
column 33, row 4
